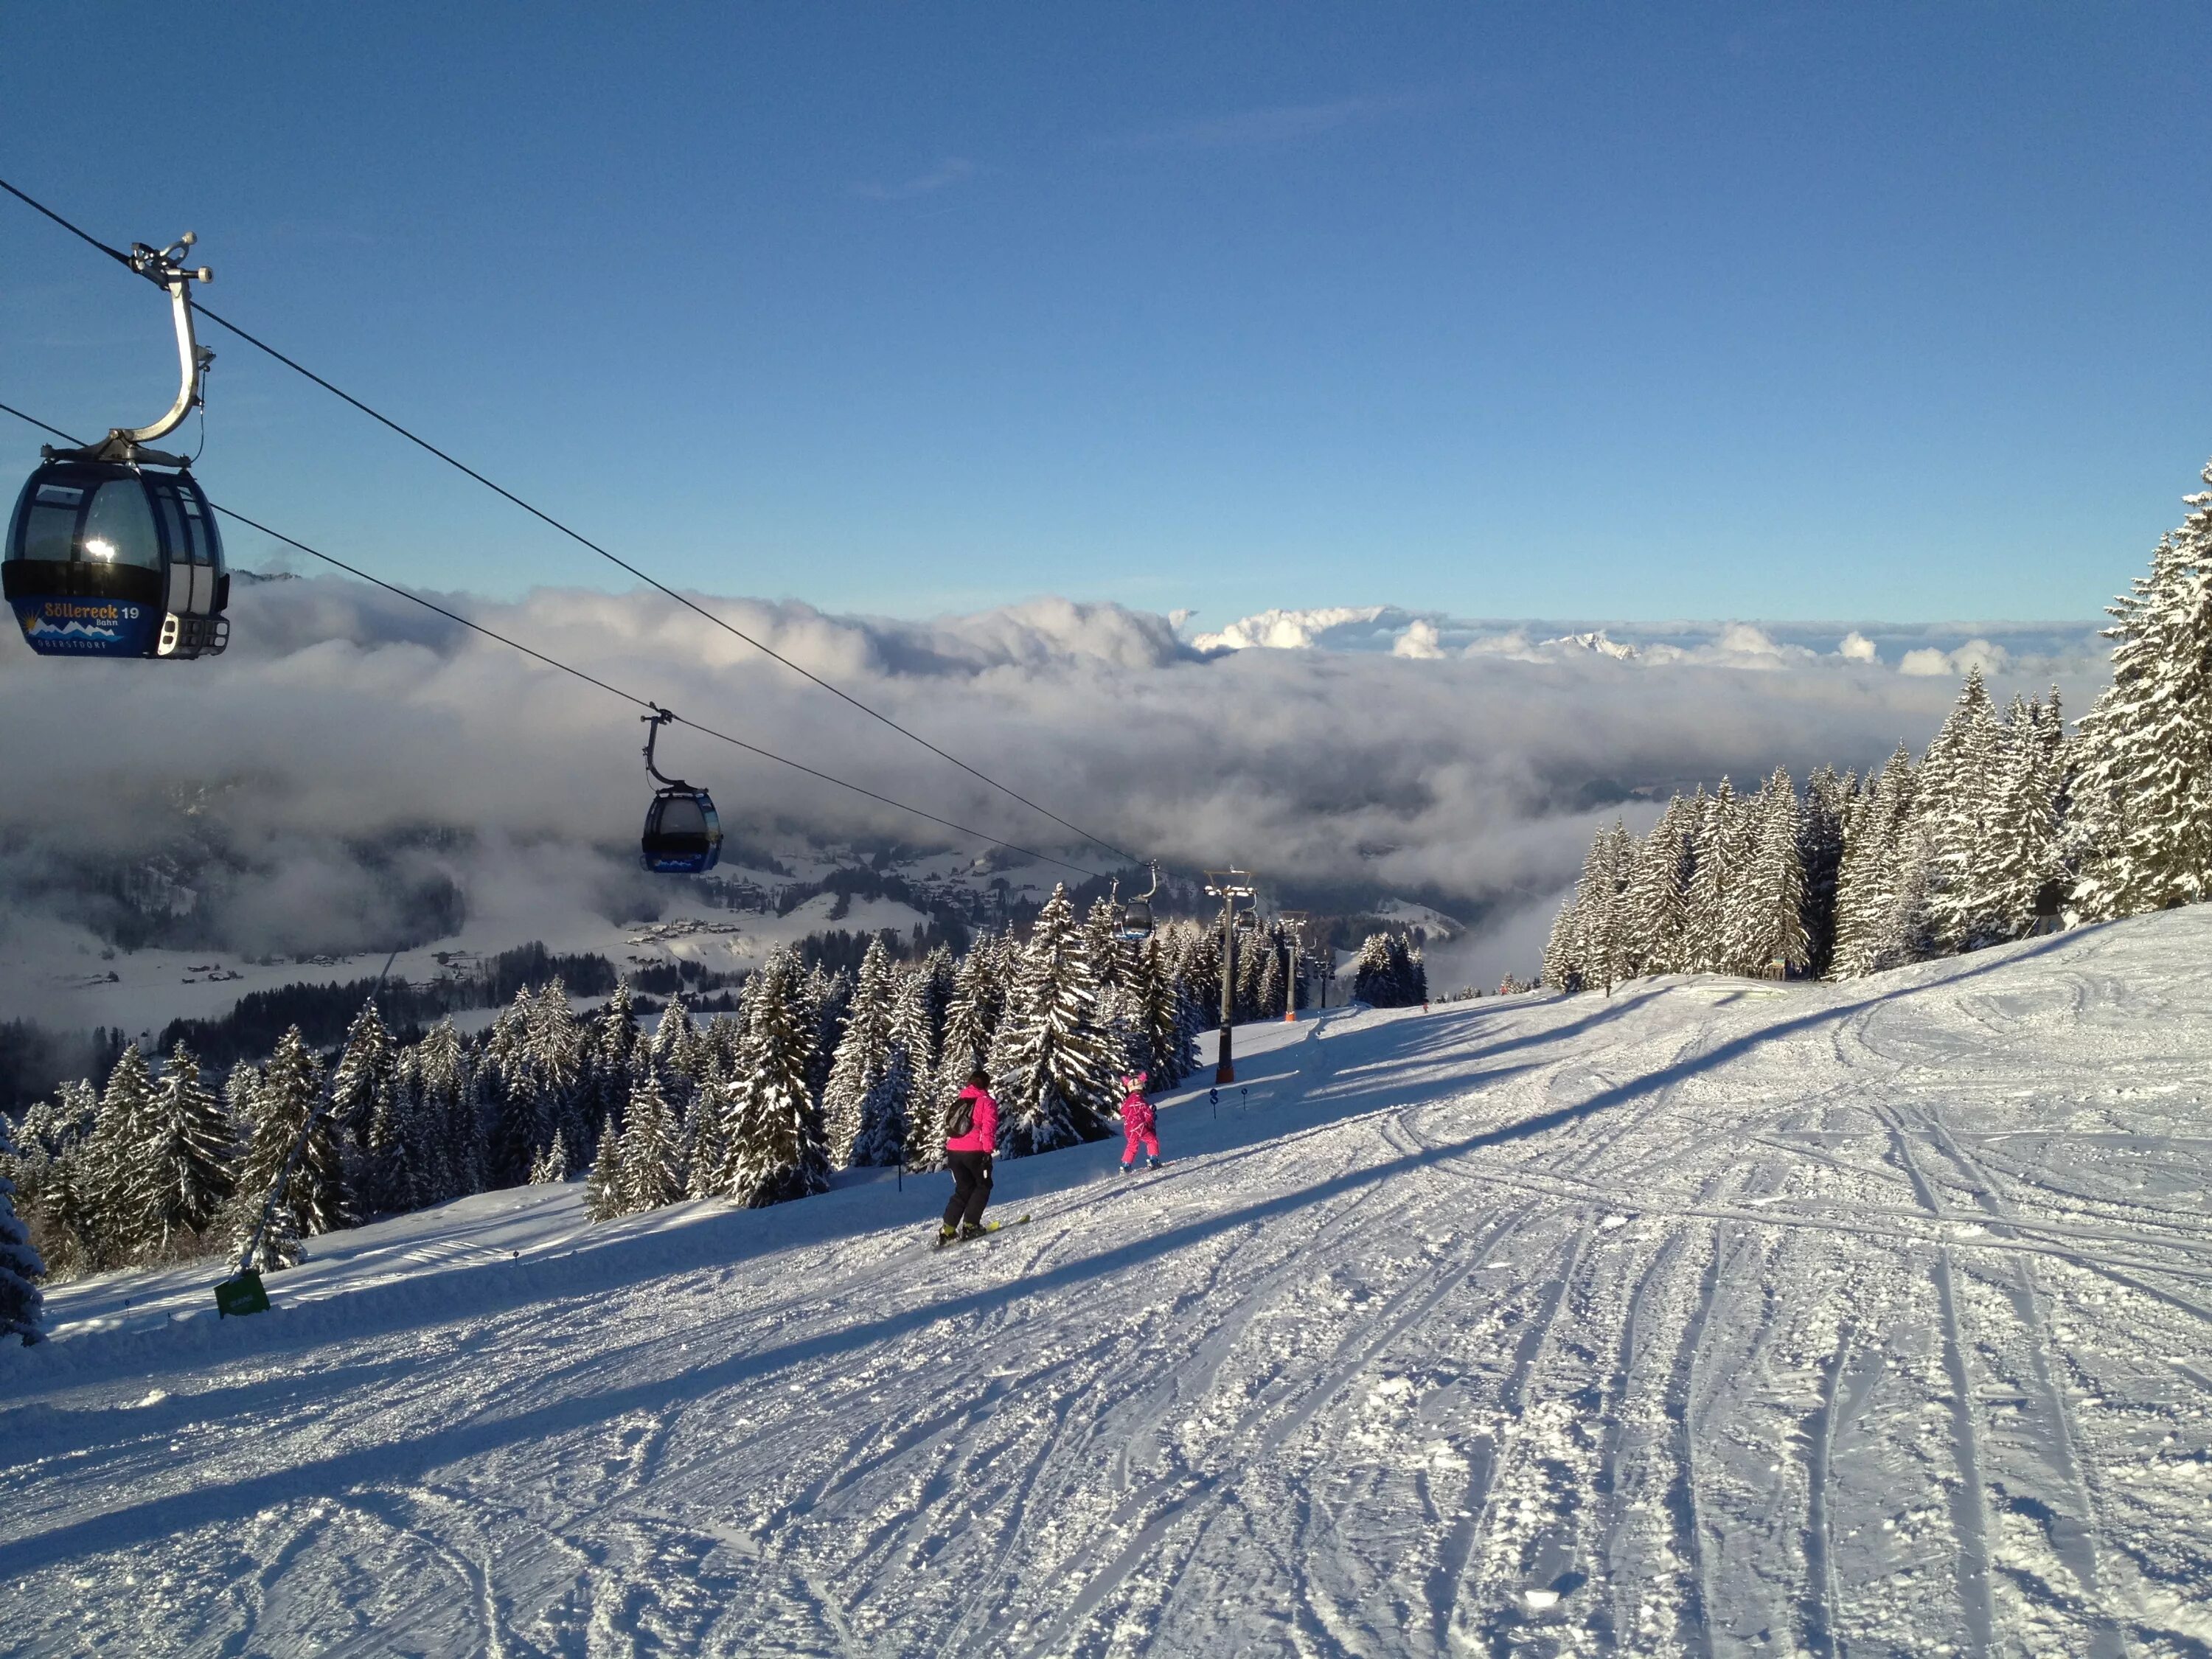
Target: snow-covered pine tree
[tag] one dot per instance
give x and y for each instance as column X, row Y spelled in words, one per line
column 2144, row 785
column 1373, row 973
column 506, row 1086
column 107, row 1163
column 853, row 1090
column 182, row 1179
column 2023, row 853
column 673, row 1047
column 240, row 1091
column 603, row 1198
column 908, row 1080
column 1050, row 1062
column 445, row 1130
column 1198, row 966
column 1268, row 995
column 560, row 1054
column 360, row 1082
column 828, row 995
column 1828, row 802
column 552, row 1169
column 1251, row 964
column 315, row 1199
column 650, row 1173
column 1562, row 968
column 1655, row 903
column 1869, row 878
column 1766, row 926
column 1711, row 877
column 707, row 1132
column 1102, row 928
column 777, row 1151
column 1958, row 798
column 50, row 1173
column 22, row 1304
column 613, row 1039
column 1164, row 1024
column 1600, row 912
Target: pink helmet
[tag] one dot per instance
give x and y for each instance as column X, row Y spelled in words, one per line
column 1135, row 1080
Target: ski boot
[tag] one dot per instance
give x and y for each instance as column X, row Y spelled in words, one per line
column 1151, row 1163
column 969, row 1230
column 1125, row 1168
column 946, row 1236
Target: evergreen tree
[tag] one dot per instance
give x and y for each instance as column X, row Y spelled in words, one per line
column 1828, row 803
column 603, row 1199
column 2144, row 785
column 777, row 1150
column 1655, row 902
column 110, row 1160
column 444, row 1131
column 314, row 1199
column 1165, row 1021
column 828, row 995
column 552, row 1170
column 2019, row 851
column 1562, row 965
column 1958, row 800
column 360, row 1082
column 853, row 1099
column 1766, row 926
column 613, row 1044
column 1870, row 881
column 651, row 1176
column 1269, row 994
column 508, row 1087
column 21, row 1305
column 1711, row 877
column 1373, row 973
column 908, row 1080
column 674, row 1051
column 1054, row 1074
column 182, row 1179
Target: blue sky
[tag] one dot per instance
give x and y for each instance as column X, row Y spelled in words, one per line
column 1764, row 311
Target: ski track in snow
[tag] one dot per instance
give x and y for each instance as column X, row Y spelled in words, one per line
column 1705, row 1319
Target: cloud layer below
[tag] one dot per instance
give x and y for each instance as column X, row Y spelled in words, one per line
column 1387, row 750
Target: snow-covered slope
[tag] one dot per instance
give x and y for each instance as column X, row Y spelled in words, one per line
column 1711, row 1317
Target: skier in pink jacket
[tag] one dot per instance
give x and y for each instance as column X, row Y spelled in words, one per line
column 971, row 1136
column 1139, row 1125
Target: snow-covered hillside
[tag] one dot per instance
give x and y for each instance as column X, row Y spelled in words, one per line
column 1713, row 1317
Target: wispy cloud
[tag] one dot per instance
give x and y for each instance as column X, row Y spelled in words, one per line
column 1281, row 124
column 953, row 170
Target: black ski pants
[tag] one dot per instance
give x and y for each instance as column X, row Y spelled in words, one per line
column 971, row 1188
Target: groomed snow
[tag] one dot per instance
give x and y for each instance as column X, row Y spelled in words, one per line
column 1710, row 1317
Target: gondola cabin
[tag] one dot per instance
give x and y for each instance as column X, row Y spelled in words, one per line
column 111, row 559
column 682, row 836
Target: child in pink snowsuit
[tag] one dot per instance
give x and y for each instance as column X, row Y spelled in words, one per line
column 1138, row 1126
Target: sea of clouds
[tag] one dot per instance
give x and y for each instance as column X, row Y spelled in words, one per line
column 1370, row 747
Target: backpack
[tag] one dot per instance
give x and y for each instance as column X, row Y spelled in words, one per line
column 960, row 1119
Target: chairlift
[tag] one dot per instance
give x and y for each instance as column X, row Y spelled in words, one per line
column 112, row 550
column 683, row 835
column 1137, row 915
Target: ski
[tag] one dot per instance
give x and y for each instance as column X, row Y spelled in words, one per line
column 990, row 1227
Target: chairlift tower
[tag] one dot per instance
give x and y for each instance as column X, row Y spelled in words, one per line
column 1294, row 946
column 1229, row 886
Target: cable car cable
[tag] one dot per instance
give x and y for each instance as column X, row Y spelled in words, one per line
column 578, row 537
column 592, row 679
